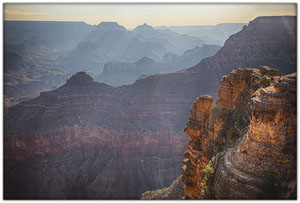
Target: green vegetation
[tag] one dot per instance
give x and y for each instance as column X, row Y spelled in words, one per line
column 208, row 170
column 205, row 188
column 265, row 70
column 207, row 181
column 264, row 82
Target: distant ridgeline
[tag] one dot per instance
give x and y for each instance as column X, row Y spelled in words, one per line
column 41, row 55
column 89, row 140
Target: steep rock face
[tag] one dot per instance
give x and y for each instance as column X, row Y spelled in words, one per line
column 240, row 151
column 263, row 164
column 89, row 140
column 266, row 40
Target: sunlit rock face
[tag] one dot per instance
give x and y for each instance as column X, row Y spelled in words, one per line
column 263, row 163
column 248, row 140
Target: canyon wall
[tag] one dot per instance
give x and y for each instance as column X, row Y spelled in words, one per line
column 245, row 146
column 82, row 141
column 90, row 140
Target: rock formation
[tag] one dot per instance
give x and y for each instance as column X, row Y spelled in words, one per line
column 245, row 146
column 118, row 74
column 111, row 42
column 90, row 140
column 173, row 192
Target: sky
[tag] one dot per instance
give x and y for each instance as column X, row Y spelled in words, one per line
column 132, row 15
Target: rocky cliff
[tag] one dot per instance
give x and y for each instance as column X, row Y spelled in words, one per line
column 266, row 40
column 83, row 141
column 90, row 140
column 245, row 146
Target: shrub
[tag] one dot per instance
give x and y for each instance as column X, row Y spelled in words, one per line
column 264, row 82
column 207, row 181
column 265, row 70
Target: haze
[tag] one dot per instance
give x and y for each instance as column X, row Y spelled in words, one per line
column 131, row 15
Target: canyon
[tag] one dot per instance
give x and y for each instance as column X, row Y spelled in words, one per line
column 41, row 55
column 92, row 135
column 89, row 140
column 244, row 147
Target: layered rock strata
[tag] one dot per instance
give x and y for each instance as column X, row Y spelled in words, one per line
column 245, row 146
column 134, row 132
column 81, row 141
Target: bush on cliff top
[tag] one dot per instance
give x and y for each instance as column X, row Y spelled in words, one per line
column 264, row 82
column 265, row 70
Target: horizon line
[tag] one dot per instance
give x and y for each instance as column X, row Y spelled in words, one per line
column 70, row 21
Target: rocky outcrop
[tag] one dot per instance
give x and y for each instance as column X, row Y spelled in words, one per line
column 244, row 146
column 173, row 192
